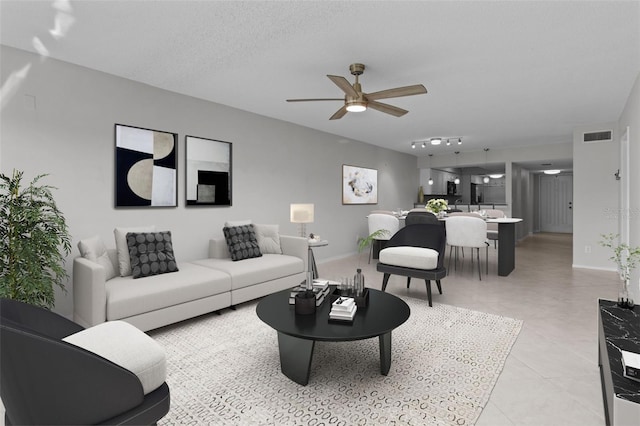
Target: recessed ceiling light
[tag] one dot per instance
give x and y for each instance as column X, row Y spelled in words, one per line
column 551, row 172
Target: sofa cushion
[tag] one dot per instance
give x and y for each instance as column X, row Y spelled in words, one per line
column 241, row 242
column 268, row 237
column 409, row 257
column 124, row 263
column 257, row 270
column 128, row 297
column 93, row 249
column 151, row 253
column 231, row 223
column 125, row 345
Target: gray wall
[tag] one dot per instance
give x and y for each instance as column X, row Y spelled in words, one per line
column 595, row 196
column 59, row 119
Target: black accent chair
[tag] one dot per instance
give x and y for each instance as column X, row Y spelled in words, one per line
column 424, row 235
column 45, row 380
column 414, row 217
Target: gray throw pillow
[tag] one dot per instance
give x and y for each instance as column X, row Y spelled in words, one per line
column 241, row 242
column 151, row 253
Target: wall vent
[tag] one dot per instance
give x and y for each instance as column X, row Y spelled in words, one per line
column 601, row 136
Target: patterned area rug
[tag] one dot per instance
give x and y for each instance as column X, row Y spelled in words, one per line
column 225, row 370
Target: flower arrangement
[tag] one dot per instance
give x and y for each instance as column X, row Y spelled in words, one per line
column 626, row 257
column 436, row 205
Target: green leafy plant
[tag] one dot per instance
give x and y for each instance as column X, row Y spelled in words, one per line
column 436, row 205
column 365, row 242
column 626, row 257
column 34, row 241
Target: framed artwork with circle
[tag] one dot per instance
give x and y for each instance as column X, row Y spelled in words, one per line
column 146, row 167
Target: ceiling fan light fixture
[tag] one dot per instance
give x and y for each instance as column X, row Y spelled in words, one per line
column 551, row 172
column 436, row 141
column 356, row 106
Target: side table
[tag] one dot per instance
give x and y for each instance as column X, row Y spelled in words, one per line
column 312, row 244
column 618, row 328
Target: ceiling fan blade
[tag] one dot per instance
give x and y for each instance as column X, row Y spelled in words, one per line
column 314, row 100
column 386, row 108
column 416, row 89
column 344, row 85
column 339, row 113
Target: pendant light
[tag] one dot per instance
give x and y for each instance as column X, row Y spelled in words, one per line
column 430, row 178
column 486, row 178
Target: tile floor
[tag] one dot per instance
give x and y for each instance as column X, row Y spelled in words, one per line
column 551, row 376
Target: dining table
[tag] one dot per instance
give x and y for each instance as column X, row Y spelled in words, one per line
column 506, row 242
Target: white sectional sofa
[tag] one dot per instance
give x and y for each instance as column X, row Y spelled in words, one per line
column 197, row 288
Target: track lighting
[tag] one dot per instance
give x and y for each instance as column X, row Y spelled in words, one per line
column 424, row 145
column 459, row 141
column 436, row 141
column 448, row 142
column 413, row 145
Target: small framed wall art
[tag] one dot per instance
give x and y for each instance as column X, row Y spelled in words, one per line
column 146, row 167
column 208, row 172
column 359, row 185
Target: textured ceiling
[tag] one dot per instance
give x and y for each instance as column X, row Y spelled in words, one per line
column 498, row 73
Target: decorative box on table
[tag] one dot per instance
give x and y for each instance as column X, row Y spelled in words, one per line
column 361, row 301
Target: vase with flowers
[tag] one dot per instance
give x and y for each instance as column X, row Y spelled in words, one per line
column 437, row 206
column 626, row 259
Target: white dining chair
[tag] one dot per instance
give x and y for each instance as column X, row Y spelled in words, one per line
column 492, row 228
column 378, row 221
column 468, row 231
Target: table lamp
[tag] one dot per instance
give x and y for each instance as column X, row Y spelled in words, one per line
column 302, row 214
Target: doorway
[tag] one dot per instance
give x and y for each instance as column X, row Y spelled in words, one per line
column 556, row 203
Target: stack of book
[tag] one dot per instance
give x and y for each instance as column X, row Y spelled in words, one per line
column 320, row 288
column 343, row 309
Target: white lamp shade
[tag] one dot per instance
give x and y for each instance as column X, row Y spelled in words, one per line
column 301, row 213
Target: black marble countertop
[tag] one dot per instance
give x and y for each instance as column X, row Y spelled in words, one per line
column 622, row 332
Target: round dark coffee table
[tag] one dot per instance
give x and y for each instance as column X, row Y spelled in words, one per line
column 297, row 334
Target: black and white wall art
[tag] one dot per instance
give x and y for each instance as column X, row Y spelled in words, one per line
column 208, row 172
column 146, row 167
column 359, row 185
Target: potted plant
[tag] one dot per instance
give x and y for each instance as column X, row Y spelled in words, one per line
column 437, row 205
column 34, row 241
column 626, row 259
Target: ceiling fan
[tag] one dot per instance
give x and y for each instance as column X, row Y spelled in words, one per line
column 355, row 100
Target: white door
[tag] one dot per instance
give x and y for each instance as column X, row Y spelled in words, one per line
column 556, row 203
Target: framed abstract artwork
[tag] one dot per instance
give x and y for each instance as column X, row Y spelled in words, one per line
column 208, row 172
column 359, row 185
column 146, row 167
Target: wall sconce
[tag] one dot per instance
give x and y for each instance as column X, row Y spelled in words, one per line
column 302, row 214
